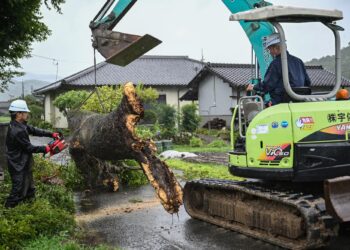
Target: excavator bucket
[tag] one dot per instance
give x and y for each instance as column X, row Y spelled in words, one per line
column 337, row 197
column 121, row 48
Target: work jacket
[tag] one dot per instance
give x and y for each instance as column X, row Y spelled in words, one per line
column 19, row 149
column 273, row 80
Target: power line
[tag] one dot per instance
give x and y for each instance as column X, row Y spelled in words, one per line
column 54, row 62
column 61, row 60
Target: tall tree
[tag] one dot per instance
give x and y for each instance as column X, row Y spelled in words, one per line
column 21, row 25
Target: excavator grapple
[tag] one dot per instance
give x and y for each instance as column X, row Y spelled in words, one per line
column 118, row 48
column 121, row 48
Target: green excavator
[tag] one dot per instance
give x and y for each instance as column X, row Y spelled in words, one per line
column 295, row 155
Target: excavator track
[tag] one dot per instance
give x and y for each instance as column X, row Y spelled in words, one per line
column 285, row 218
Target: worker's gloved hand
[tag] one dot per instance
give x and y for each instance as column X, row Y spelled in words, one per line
column 47, row 149
column 57, row 135
column 250, row 87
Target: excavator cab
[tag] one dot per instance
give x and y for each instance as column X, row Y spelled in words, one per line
column 118, row 48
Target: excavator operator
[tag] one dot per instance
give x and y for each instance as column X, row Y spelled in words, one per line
column 273, row 80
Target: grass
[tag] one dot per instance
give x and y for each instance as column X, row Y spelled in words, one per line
column 59, row 243
column 204, row 149
column 197, row 171
column 4, row 119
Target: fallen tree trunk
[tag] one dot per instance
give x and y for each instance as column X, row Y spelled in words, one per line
column 97, row 139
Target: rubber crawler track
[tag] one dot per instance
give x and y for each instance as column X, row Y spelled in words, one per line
column 285, row 218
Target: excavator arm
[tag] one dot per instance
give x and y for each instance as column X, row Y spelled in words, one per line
column 121, row 48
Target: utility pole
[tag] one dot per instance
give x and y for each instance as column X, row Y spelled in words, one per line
column 22, row 89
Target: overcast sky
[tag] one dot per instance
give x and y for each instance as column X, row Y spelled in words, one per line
column 185, row 27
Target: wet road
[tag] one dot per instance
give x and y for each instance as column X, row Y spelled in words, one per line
column 133, row 219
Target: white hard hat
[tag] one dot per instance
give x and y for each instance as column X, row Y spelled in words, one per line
column 271, row 40
column 19, row 106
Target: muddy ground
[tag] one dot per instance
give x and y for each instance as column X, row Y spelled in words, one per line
column 134, row 219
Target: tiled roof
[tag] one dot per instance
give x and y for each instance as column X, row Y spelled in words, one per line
column 239, row 75
column 149, row 70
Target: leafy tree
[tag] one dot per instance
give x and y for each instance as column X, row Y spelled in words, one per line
column 104, row 100
column 70, row 100
column 21, row 25
column 147, row 94
column 189, row 118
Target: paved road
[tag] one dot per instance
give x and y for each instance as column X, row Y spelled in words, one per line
column 124, row 221
column 133, row 219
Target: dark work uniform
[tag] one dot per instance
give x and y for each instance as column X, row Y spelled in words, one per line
column 20, row 160
column 273, row 81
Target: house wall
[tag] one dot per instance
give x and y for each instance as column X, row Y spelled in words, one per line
column 216, row 98
column 52, row 114
column 173, row 95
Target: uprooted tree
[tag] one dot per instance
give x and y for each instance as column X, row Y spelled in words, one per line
column 99, row 140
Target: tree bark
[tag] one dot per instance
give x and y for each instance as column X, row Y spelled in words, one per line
column 98, row 140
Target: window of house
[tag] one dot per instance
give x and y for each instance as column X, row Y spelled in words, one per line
column 161, row 99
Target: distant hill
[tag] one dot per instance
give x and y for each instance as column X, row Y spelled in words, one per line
column 31, row 82
column 15, row 89
column 328, row 62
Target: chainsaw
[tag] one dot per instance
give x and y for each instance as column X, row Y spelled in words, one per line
column 57, row 145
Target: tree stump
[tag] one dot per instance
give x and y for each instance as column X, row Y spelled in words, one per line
column 98, row 140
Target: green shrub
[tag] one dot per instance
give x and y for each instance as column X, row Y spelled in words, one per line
column 202, row 131
column 189, row 118
column 133, row 178
column 44, row 125
column 217, row 144
column 182, row 138
column 149, row 117
column 196, row 142
column 167, row 119
column 72, row 177
column 224, row 134
column 30, row 220
column 144, row 132
column 51, row 213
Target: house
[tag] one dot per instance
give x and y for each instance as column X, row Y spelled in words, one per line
column 179, row 80
column 218, row 87
column 169, row 75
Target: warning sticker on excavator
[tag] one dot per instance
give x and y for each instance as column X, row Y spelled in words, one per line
column 305, row 123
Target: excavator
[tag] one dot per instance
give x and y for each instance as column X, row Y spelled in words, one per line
column 294, row 155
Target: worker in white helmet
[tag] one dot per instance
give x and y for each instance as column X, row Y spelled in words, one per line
column 273, row 80
column 19, row 153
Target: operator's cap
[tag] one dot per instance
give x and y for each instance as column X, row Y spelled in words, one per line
column 271, row 40
column 19, row 106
